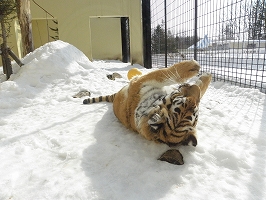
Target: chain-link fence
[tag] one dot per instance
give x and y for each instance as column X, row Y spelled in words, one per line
column 227, row 37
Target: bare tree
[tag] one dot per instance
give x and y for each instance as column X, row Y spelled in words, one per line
column 234, row 20
column 257, row 21
column 24, row 18
column 7, row 8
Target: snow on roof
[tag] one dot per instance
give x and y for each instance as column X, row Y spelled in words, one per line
column 203, row 43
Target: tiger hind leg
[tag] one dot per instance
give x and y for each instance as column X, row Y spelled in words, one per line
column 203, row 82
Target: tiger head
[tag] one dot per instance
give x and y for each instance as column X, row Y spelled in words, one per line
column 173, row 118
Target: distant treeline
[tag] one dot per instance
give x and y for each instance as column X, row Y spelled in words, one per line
column 174, row 42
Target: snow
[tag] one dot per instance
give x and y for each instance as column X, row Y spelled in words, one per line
column 54, row 147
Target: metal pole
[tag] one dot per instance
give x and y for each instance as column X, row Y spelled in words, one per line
column 195, row 30
column 146, row 24
column 125, row 39
column 165, row 34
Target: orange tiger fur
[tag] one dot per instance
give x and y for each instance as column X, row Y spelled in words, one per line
column 147, row 107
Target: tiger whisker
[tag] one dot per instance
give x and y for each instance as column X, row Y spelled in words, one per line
column 177, row 74
column 173, row 76
column 169, row 77
column 166, row 75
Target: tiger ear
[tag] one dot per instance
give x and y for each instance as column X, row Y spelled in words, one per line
column 194, row 92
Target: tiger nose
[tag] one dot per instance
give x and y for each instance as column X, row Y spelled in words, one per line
column 191, row 140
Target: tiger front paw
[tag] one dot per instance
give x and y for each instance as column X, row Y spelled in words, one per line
column 204, row 79
column 203, row 82
column 185, row 70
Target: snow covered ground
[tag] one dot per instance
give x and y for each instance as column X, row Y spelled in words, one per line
column 53, row 147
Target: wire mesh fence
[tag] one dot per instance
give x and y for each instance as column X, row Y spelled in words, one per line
column 227, row 37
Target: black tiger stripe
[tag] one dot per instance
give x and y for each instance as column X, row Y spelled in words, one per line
column 149, row 91
column 189, row 118
column 108, row 98
column 165, row 133
column 160, row 141
column 175, row 120
column 164, row 100
column 176, row 117
column 178, row 136
column 86, row 101
column 169, row 125
column 195, row 123
column 177, row 110
column 184, row 123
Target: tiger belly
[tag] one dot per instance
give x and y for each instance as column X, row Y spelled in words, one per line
column 120, row 106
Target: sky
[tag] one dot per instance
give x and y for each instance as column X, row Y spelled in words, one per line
column 211, row 14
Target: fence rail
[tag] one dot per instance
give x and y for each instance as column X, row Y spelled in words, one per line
column 227, row 37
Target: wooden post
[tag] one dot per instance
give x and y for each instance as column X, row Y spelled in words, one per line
column 7, row 68
column 24, row 18
column 13, row 55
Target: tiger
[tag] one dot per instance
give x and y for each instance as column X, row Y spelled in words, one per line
column 158, row 112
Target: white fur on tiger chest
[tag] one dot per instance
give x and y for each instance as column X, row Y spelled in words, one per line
column 150, row 97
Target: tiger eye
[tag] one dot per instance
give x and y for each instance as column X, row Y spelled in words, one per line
column 177, row 110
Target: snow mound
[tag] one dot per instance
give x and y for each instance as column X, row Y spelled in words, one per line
column 53, row 66
column 56, row 59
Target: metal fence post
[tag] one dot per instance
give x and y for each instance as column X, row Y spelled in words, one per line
column 125, row 39
column 165, row 34
column 146, row 20
column 195, row 29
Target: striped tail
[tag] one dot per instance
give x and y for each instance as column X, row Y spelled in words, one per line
column 107, row 98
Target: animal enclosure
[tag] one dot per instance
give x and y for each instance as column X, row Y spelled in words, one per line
column 228, row 38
